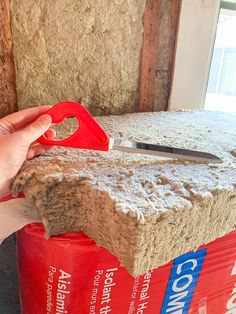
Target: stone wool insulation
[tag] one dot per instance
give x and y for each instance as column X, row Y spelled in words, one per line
column 146, row 210
column 87, row 51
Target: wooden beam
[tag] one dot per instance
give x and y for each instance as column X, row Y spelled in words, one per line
column 8, row 98
column 175, row 16
column 149, row 55
column 161, row 23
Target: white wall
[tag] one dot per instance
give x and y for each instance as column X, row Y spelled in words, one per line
column 198, row 22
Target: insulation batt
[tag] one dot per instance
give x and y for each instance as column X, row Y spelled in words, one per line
column 78, row 50
column 146, row 210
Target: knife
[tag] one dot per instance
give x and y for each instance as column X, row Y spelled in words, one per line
column 90, row 135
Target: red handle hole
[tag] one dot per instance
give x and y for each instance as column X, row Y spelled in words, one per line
column 63, row 130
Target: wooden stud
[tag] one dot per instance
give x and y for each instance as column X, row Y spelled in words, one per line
column 175, row 16
column 156, row 71
column 8, row 98
column 149, row 55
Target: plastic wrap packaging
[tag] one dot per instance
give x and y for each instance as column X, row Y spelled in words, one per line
column 70, row 274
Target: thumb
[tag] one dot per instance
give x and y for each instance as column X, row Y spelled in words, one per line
column 34, row 130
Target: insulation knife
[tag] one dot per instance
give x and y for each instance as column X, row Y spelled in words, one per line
column 90, row 135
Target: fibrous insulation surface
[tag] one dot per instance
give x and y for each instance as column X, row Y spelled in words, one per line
column 78, row 50
column 146, row 210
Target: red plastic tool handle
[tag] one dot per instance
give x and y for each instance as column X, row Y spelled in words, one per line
column 89, row 134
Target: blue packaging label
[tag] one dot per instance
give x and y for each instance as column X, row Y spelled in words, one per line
column 182, row 282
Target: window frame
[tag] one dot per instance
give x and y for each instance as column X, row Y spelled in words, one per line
column 195, row 43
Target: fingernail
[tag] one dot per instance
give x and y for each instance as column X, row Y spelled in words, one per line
column 45, row 118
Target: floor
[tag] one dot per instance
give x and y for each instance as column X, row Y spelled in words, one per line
column 9, row 297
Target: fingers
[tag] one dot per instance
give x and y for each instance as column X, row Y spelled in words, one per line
column 50, row 134
column 34, row 130
column 36, row 150
column 21, row 118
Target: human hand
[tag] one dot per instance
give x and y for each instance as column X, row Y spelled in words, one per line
column 15, row 214
column 18, row 133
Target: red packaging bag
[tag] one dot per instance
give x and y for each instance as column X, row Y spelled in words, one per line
column 70, row 274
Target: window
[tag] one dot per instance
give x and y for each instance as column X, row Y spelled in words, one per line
column 221, row 89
